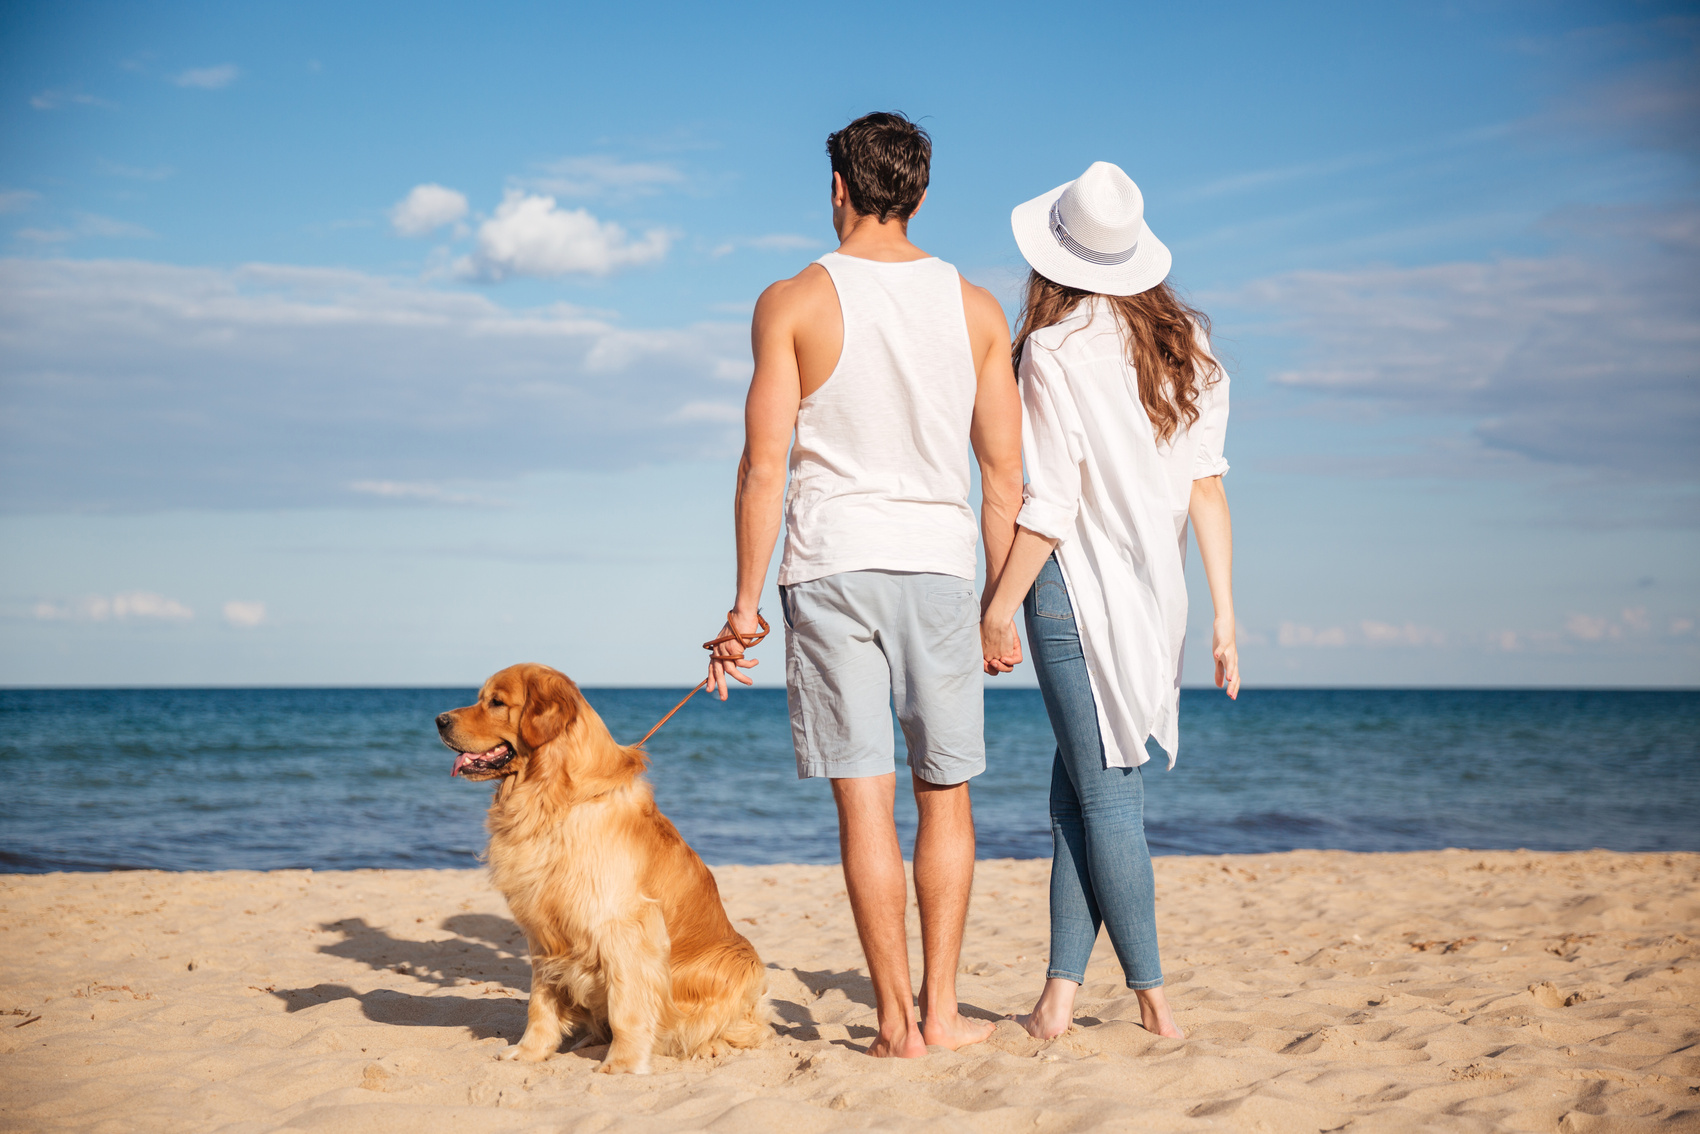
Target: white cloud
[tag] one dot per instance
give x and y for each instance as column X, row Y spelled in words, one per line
column 1367, row 633
column 17, row 200
column 131, row 384
column 724, row 412
column 601, row 176
column 101, row 608
column 411, row 490
column 774, row 242
column 1297, row 634
column 136, row 172
column 532, row 236
column 92, row 224
column 1410, row 634
column 208, row 78
column 244, row 615
column 1588, row 628
column 87, row 225
column 54, row 99
column 427, row 208
column 1585, row 359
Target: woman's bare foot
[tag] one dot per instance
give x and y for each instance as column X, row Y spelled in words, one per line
column 907, row 1044
column 1155, row 1016
column 954, row 1030
column 1054, row 1012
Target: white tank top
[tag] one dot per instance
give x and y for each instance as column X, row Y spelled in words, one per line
column 879, row 469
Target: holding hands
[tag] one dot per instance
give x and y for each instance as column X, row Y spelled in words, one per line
column 1000, row 646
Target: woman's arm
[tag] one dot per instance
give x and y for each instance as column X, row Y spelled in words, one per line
column 1215, row 532
column 998, row 641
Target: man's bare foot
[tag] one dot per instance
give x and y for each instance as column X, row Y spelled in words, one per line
column 955, row 1030
column 1155, row 1016
column 909, row 1045
column 1054, row 1012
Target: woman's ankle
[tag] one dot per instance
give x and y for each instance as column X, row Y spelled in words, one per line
column 1059, row 991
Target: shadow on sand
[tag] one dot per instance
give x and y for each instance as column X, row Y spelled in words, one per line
column 484, row 948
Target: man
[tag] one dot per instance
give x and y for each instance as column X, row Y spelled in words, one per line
column 887, row 366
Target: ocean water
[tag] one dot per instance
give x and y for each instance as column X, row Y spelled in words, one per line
column 202, row 779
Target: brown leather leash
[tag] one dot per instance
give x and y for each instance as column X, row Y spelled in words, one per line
column 746, row 641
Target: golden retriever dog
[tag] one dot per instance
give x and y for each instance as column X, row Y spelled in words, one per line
column 629, row 942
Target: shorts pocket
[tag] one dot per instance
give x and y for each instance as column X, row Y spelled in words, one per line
column 792, row 607
column 1050, row 600
column 949, row 609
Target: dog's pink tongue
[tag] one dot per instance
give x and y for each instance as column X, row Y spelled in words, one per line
column 462, row 761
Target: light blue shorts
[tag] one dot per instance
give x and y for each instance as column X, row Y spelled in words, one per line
column 860, row 643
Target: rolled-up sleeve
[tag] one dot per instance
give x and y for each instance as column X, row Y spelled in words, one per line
column 1211, row 428
column 1051, row 447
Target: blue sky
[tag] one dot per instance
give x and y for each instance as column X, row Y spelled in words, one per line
column 389, row 344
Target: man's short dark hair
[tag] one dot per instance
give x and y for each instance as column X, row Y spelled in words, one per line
column 884, row 159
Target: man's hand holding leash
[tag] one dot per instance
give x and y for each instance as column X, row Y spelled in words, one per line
column 741, row 632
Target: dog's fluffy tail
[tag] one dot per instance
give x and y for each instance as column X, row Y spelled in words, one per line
column 718, row 1004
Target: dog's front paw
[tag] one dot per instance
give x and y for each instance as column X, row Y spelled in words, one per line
column 522, row 1054
column 624, row 1063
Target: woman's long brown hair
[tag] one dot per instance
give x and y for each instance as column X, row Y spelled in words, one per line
column 1165, row 339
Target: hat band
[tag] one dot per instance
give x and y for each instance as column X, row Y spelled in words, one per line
column 1107, row 259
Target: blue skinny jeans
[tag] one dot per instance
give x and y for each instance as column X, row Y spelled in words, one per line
column 1101, row 867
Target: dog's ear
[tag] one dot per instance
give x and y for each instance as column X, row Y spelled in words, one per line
column 551, row 707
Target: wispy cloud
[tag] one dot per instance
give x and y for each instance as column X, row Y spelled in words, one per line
column 600, row 176
column 87, row 225
column 1333, row 166
column 1566, row 634
column 1582, row 630
column 101, row 608
column 726, row 413
column 208, row 78
column 17, row 200
column 65, row 96
column 135, row 172
column 774, row 242
column 132, row 384
column 533, row 236
column 422, row 492
column 1584, row 359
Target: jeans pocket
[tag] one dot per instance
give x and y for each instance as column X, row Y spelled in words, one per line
column 1050, row 600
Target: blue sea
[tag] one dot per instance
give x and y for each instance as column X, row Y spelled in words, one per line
column 207, row 779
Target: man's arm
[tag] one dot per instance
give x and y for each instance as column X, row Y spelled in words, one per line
column 996, row 437
column 770, row 417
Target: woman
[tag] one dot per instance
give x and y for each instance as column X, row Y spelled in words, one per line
column 1126, row 410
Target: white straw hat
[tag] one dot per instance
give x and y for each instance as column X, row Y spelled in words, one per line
column 1091, row 234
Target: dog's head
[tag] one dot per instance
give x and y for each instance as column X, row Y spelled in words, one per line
column 518, row 711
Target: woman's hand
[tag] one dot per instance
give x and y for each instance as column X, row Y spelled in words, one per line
column 1000, row 646
column 1227, row 657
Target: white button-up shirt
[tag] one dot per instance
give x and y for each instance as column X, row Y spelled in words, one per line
column 1098, row 481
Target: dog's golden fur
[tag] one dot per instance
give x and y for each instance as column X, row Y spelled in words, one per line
column 629, row 941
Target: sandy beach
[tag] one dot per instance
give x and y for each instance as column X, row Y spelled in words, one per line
column 1320, row 990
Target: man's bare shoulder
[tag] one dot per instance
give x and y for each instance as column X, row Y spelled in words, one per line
column 983, row 310
column 798, row 297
